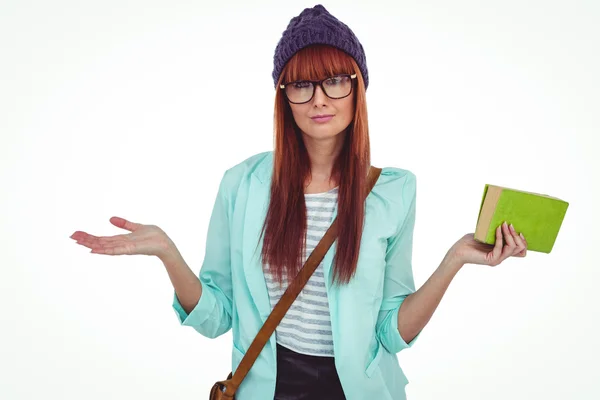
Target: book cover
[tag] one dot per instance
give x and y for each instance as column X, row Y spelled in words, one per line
column 538, row 216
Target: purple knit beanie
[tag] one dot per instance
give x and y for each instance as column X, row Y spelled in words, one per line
column 317, row 26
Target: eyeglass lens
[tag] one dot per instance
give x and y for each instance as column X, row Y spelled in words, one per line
column 335, row 87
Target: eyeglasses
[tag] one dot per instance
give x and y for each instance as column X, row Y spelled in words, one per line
column 334, row 87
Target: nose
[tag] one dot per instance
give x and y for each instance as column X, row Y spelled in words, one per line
column 320, row 97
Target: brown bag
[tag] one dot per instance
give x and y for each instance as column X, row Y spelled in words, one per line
column 225, row 390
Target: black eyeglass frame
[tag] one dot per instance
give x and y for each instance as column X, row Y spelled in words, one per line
column 320, row 83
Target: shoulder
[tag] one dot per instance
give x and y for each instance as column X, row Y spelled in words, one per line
column 394, row 194
column 396, row 185
column 251, row 163
column 234, row 175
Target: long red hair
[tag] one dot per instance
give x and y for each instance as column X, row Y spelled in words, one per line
column 284, row 228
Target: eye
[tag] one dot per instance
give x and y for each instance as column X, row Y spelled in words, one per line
column 335, row 80
column 300, row 84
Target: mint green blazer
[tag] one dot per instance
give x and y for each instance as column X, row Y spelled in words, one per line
column 364, row 313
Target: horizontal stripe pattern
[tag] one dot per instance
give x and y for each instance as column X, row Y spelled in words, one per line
column 306, row 327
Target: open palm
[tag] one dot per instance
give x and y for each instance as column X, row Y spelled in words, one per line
column 143, row 239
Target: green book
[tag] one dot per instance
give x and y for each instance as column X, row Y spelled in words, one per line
column 537, row 216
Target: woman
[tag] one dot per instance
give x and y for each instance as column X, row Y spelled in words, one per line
column 341, row 336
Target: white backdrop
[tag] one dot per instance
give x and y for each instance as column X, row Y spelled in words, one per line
column 136, row 108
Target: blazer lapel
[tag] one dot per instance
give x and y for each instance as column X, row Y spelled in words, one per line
column 256, row 210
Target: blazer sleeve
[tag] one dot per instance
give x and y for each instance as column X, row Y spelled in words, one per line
column 211, row 316
column 398, row 281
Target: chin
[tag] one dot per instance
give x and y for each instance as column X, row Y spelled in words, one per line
column 322, row 133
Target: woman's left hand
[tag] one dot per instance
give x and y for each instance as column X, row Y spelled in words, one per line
column 508, row 243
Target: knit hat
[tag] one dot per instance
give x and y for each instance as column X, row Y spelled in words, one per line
column 317, row 26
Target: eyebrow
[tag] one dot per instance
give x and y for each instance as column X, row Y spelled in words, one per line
column 352, row 76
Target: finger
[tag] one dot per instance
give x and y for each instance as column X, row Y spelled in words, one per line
column 114, row 248
column 77, row 235
column 113, row 244
column 103, row 240
column 509, row 247
column 113, row 239
column 497, row 250
column 125, row 224
column 86, row 242
column 111, row 251
column 508, row 238
column 523, row 252
column 82, row 236
column 97, row 244
column 518, row 241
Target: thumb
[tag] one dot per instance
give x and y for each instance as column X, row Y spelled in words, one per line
column 124, row 224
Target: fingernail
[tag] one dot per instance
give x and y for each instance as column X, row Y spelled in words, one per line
column 512, row 228
column 522, row 237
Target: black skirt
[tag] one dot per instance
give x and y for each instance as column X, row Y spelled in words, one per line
column 305, row 377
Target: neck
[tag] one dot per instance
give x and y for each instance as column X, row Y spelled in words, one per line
column 322, row 154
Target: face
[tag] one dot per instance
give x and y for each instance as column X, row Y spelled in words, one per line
column 342, row 111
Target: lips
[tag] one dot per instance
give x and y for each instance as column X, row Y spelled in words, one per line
column 322, row 116
column 322, row 119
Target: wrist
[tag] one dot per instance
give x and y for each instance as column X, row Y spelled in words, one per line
column 452, row 260
column 170, row 255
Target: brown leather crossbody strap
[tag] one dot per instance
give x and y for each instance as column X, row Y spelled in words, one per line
column 289, row 296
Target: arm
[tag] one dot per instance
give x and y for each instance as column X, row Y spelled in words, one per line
column 188, row 288
column 418, row 307
column 205, row 302
column 404, row 312
column 398, row 282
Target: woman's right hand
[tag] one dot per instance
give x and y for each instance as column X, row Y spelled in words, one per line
column 143, row 239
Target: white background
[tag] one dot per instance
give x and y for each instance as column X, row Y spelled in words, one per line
column 136, row 108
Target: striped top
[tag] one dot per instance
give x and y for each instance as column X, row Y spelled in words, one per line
column 306, row 327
